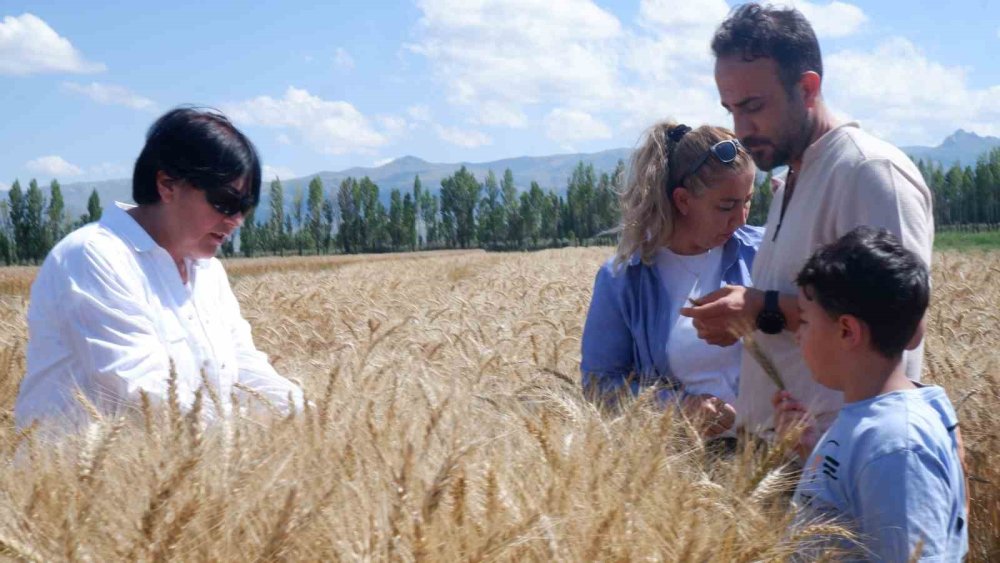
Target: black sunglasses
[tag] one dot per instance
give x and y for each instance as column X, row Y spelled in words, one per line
column 228, row 202
column 725, row 151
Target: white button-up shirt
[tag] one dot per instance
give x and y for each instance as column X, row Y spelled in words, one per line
column 109, row 313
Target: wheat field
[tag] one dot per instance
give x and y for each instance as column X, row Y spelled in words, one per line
column 446, row 424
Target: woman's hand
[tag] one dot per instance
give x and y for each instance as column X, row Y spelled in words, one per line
column 713, row 415
column 793, row 422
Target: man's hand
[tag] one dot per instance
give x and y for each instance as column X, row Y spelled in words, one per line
column 723, row 316
column 792, row 421
column 713, row 415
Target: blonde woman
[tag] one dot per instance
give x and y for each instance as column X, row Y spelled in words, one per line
column 683, row 235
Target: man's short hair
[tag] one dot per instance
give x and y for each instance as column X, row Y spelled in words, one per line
column 868, row 274
column 753, row 31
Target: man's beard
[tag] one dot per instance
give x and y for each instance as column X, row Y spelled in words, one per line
column 792, row 143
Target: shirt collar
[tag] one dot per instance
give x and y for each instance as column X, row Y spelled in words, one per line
column 118, row 221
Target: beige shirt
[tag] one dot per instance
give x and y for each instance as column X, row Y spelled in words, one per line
column 848, row 178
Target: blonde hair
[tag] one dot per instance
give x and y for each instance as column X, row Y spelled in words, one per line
column 656, row 167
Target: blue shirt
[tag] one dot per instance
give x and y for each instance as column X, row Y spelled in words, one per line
column 628, row 324
column 889, row 468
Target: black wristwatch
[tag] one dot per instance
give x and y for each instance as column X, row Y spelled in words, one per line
column 771, row 320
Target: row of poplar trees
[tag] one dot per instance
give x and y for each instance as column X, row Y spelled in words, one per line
column 465, row 213
column 31, row 222
column 967, row 195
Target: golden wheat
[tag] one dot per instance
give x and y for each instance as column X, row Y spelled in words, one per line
column 446, row 424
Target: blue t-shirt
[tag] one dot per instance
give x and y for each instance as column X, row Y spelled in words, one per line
column 888, row 467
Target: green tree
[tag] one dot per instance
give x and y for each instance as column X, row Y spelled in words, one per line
column 350, row 219
column 56, row 215
column 761, row 202
column 249, row 235
column 314, row 208
column 94, row 209
column 35, row 222
column 410, row 222
column 8, row 251
column 418, row 190
column 459, row 197
column 491, row 213
column 429, row 218
column 511, row 210
column 276, row 224
column 19, row 220
column 396, row 225
column 329, row 217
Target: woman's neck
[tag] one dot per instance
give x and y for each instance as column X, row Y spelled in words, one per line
column 151, row 219
column 680, row 244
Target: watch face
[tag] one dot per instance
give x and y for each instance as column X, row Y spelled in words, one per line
column 770, row 322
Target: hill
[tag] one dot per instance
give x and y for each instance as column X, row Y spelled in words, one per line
column 551, row 172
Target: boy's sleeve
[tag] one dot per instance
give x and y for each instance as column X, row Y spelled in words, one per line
column 903, row 499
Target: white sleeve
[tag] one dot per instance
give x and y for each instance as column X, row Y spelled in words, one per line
column 112, row 333
column 255, row 370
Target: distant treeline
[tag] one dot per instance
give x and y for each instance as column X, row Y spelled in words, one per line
column 31, row 223
column 466, row 213
column 965, row 195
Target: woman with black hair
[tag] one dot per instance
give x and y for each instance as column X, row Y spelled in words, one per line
column 120, row 303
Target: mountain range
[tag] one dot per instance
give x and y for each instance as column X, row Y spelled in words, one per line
column 551, row 172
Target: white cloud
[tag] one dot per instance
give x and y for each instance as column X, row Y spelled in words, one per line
column 52, row 166
column 523, row 52
column 4, row 187
column 669, row 63
column 463, row 138
column 269, row 173
column 109, row 170
column 566, row 126
column 110, row 94
column 679, row 14
column 29, row 46
column 343, row 59
column 332, row 127
column 895, row 90
column 382, row 162
column 392, row 125
column 498, row 113
column 419, row 113
column 836, row 19
column 284, row 139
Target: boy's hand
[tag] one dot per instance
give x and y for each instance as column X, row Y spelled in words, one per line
column 791, row 418
column 714, row 415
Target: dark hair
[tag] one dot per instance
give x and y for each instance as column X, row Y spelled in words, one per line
column 199, row 146
column 783, row 34
column 868, row 274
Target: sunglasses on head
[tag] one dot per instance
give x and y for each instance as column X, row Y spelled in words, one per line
column 725, row 151
column 228, row 202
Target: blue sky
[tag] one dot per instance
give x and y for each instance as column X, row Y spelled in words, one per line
column 360, row 83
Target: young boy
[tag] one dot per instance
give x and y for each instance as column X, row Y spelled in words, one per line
column 889, row 466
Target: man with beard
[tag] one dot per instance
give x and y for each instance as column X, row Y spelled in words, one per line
column 769, row 74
